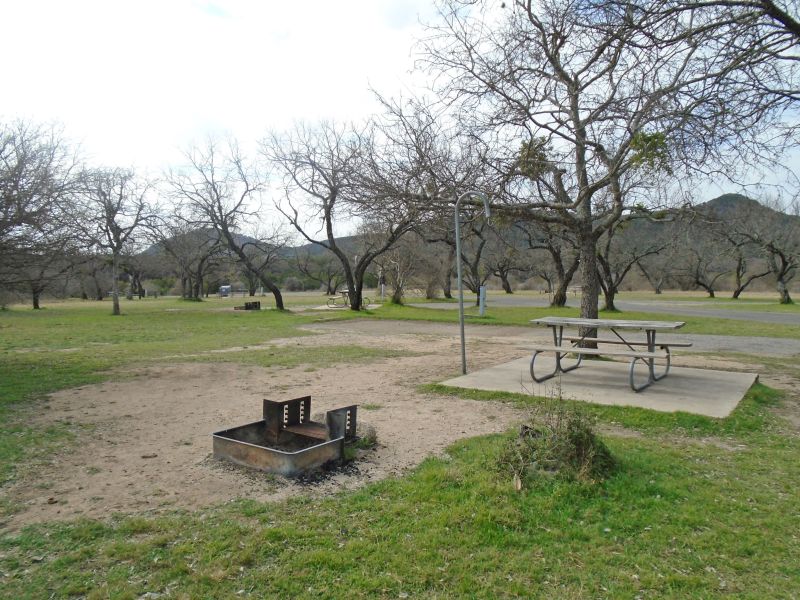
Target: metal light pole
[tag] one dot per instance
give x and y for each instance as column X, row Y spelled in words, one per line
column 488, row 212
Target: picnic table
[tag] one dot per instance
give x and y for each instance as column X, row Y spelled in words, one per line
column 646, row 350
column 343, row 300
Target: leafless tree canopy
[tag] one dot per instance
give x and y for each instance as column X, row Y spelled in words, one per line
column 329, row 175
column 573, row 116
column 114, row 207
column 38, row 177
column 222, row 191
column 593, row 104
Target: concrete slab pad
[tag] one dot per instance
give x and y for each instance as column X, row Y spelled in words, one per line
column 699, row 391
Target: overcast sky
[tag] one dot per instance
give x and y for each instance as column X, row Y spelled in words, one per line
column 135, row 80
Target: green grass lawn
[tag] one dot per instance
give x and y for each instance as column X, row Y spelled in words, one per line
column 679, row 518
column 758, row 301
column 698, row 507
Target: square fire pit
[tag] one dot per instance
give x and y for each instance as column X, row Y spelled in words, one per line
column 286, row 441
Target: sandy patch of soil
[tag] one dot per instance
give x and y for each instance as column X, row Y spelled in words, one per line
column 149, row 444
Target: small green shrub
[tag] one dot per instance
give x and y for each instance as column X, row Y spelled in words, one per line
column 558, row 441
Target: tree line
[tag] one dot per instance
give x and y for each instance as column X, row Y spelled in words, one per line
column 586, row 124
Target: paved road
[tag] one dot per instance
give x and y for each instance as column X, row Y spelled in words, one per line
column 522, row 336
column 690, row 309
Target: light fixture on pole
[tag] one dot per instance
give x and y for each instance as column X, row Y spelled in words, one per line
column 488, row 212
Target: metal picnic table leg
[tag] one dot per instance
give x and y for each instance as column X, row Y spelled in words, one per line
column 558, row 337
column 651, row 363
column 651, row 347
column 559, row 342
column 558, row 334
column 557, row 369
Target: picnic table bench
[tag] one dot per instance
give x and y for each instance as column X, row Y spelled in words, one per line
column 646, row 351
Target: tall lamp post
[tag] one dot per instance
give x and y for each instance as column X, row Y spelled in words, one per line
column 488, row 212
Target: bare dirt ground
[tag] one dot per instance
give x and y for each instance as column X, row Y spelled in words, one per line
column 147, row 446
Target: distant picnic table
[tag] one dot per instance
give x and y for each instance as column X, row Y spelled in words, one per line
column 646, row 350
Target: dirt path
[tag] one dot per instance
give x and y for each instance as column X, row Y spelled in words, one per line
column 148, row 443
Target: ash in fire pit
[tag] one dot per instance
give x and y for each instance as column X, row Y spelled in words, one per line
column 286, row 441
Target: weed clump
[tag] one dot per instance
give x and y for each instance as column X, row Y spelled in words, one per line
column 367, row 435
column 366, row 439
column 557, row 441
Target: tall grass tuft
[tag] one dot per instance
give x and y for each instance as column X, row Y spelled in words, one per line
column 557, row 441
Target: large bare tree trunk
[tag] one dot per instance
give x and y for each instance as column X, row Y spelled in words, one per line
column 505, row 283
column 563, row 279
column 609, row 293
column 591, row 284
column 265, row 280
column 609, row 301
column 783, row 291
column 560, row 294
column 115, row 284
column 447, row 277
column 447, row 286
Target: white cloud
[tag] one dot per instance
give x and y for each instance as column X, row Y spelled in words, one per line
column 135, row 80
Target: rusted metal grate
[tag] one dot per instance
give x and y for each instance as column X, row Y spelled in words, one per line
column 286, row 440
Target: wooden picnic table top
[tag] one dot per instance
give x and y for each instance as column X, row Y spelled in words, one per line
column 608, row 323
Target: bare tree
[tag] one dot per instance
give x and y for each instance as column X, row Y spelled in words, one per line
column 593, row 108
column 331, row 175
column 473, row 248
column 440, row 273
column 781, row 17
column 562, row 249
column 775, row 232
column 743, row 273
column 222, row 189
column 437, row 233
column 728, row 219
column 506, row 255
column 115, row 207
column 617, row 255
column 437, row 256
column 783, row 257
column 475, row 232
column 93, row 275
column 660, row 268
column 703, row 258
column 743, row 32
column 264, row 251
column 194, row 251
column 44, row 270
column 401, row 264
column 37, row 184
column 443, row 160
column 323, row 268
column 134, row 269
